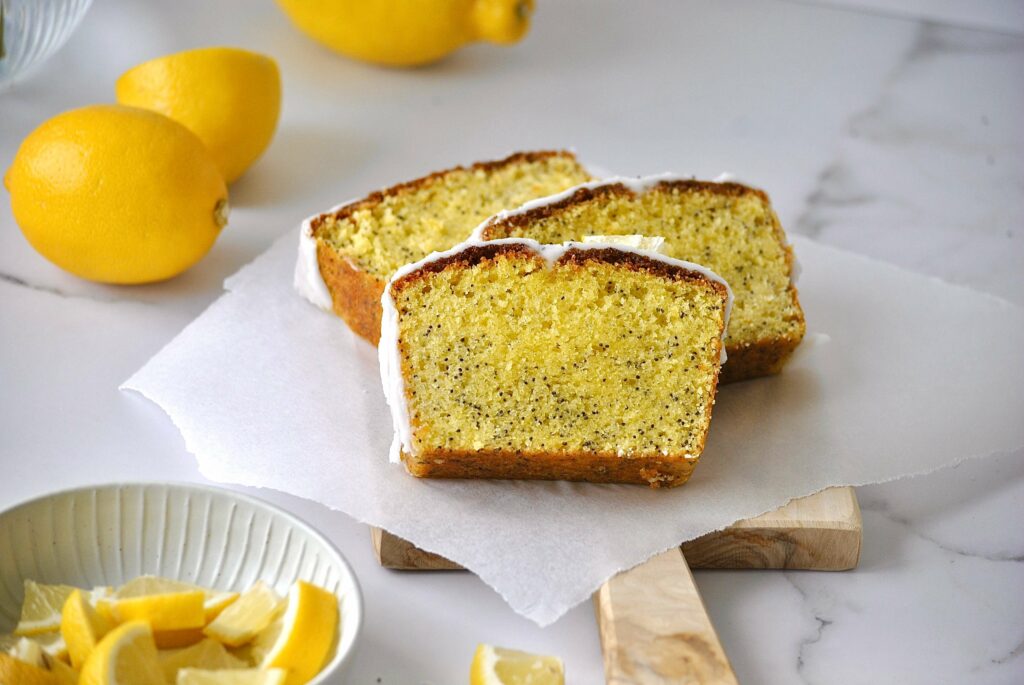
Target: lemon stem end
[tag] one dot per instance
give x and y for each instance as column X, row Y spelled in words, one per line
column 220, row 213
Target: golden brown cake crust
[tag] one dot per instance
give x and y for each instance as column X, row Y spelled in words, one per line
column 655, row 471
column 355, row 294
column 764, row 357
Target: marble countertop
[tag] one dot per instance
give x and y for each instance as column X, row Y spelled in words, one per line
column 890, row 130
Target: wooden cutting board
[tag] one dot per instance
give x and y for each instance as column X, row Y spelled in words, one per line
column 653, row 625
column 821, row 532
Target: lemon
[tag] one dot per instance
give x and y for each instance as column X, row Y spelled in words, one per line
column 126, row 656
column 82, row 627
column 51, row 643
column 248, row 615
column 117, row 194
column 14, row 670
column 408, row 32
column 206, row 654
column 214, row 601
column 176, row 639
column 249, row 676
column 29, row 651
column 500, row 666
column 228, row 97
column 40, row 612
column 64, row 673
column 41, row 652
column 163, row 612
column 32, row 651
column 307, row 635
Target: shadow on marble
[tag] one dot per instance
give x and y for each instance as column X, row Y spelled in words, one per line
column 299, row 163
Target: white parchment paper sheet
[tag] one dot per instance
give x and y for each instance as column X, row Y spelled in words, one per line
column 902, row 374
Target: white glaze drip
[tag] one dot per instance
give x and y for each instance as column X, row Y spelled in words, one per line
column 308, row 281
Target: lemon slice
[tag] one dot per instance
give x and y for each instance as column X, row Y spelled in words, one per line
column 248, row 615
column 126, row 656
column 214, row 601
column 177, row 639
column 36, row 652
column 28, row 650
column 64, row 673
column 40, row 612
column 169, row 611
column 13, row 670
column 51, row 643
column 82, row 627
column 248, row 676
column 307, row 633
column 206, row 654
column 499, row 666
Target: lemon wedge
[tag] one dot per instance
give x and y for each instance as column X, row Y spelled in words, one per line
column 206, row 654
column 35, row 652
column 40, row 612
column 307, row 634
column 214, row 601
column 168, row 611
column 248, row 676
column 82, row 627
column 499, row 666
column 28, row 650
column 246, row 617
column 177, row 639
column 13, row 670
column 51, row 643
column 125, row 656
column 64, row 673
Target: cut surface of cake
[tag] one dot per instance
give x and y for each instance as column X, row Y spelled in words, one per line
column 347, row 254
column 728, row 227
column 592, row 362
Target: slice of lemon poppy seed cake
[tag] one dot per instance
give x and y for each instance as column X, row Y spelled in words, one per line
column 346, row 255
column 728, row 227
column 592, row 362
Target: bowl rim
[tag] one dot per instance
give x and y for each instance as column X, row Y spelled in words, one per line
column 341, row 658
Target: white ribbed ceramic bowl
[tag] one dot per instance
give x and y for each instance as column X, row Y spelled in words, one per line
column 218, row 538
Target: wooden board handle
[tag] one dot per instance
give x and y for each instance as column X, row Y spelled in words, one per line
column 655, row 630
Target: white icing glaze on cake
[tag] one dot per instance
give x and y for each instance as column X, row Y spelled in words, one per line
column 654, row 243
column 390, row 357
column 308, row 281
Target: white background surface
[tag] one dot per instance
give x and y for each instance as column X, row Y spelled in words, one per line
column 895, row 136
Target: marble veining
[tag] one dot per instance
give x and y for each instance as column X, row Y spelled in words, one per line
column 929, row 175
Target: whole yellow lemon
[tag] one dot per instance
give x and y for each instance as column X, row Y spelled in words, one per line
column 230, row 98
column 117, row 194
column 408, row 32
